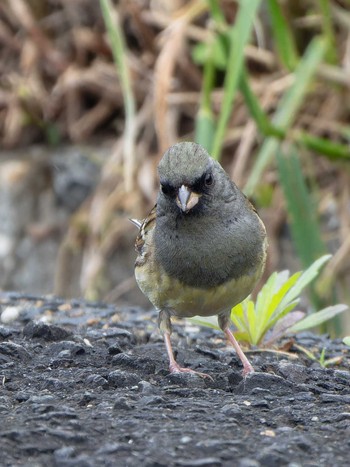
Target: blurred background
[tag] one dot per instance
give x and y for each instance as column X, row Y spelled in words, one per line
column 92, row 93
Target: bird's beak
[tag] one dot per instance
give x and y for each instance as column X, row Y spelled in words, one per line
column 186, row 199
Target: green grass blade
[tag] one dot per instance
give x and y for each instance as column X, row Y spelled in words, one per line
column 288, row 108
column 331, row 149
column 302, row 211
column 261, row 119
column 204, row 124
column 283, row 36
column 327, row 24
column 116, row 37
column 238, row 37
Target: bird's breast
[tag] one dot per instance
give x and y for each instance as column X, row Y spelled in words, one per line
column 168, row 293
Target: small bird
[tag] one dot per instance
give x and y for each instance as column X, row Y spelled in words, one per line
column 202, row 248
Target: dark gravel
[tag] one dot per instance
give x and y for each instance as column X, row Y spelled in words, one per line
column 88, row 385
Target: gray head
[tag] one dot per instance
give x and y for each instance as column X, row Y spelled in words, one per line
column 190, row 179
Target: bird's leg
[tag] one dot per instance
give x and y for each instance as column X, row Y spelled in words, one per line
column 223, row 321
column 166, row 329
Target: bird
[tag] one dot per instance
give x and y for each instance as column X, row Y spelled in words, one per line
column 202, row 248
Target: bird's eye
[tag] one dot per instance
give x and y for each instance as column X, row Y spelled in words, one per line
column 167, row 189
column 209, row 179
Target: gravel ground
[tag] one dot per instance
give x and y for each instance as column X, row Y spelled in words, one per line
column 88, row 385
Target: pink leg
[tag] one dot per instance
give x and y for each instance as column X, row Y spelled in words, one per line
column 174, row 367
column 247, row 367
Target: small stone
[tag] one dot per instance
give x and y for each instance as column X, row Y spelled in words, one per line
column 231, row 410
column 64, row 453
column 273, row 383
column 6, row 332
column 133, row 361
column 152, row 400
column 109, row 448
column 293, row 372
column 260, row 403
column 148, row 388
column 190, row 380
column 66, row 349
column 122, row 379
column 269, row 433
column 204, row 462
column 96, row 381
column 10, row 350
column 185, row 440
column 64, row 354
column 338, row 398
column 54, row 384
column 10, row 314
column 47, row 332
column 42, row 399
column 121, row 404
column 247, row 462
column 115, row 349
column 22, row 396
column 87, row 398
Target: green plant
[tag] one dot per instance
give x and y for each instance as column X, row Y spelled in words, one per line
column 346, row 340
column 119, row 50
column 271, row 316
column 322, row 360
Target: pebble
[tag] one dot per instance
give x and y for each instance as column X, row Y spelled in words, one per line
column 122, row 404
column 122, row 379
column 276, row 384
column 96, row 381
column 10, row 314
column 47, row 332
column 203, row 462
column 293, row 372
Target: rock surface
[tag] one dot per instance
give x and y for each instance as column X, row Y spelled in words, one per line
column 86, row 384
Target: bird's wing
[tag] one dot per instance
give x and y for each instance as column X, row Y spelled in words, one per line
column 147, row 225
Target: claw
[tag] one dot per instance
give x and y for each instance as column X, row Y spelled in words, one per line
column 175, row 368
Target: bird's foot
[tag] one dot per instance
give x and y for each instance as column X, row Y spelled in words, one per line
column 175, row 368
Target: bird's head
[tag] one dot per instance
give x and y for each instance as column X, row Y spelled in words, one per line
column 189, row 178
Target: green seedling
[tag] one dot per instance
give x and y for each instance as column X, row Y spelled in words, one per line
column 322, row 360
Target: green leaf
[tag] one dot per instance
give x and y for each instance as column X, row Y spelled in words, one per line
column 315, row 319
column 271, row 309
column 239, row 37
column 242, row 336
column 205, row 129
column 283, row 36
column 281, row 314
column 258, row 114
column 252, row 322
column 215, row 51
column 210, row 322
column 283, row 325
column 301, row 209
column 305, row 279
column 238, row 316
column 346, row 340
